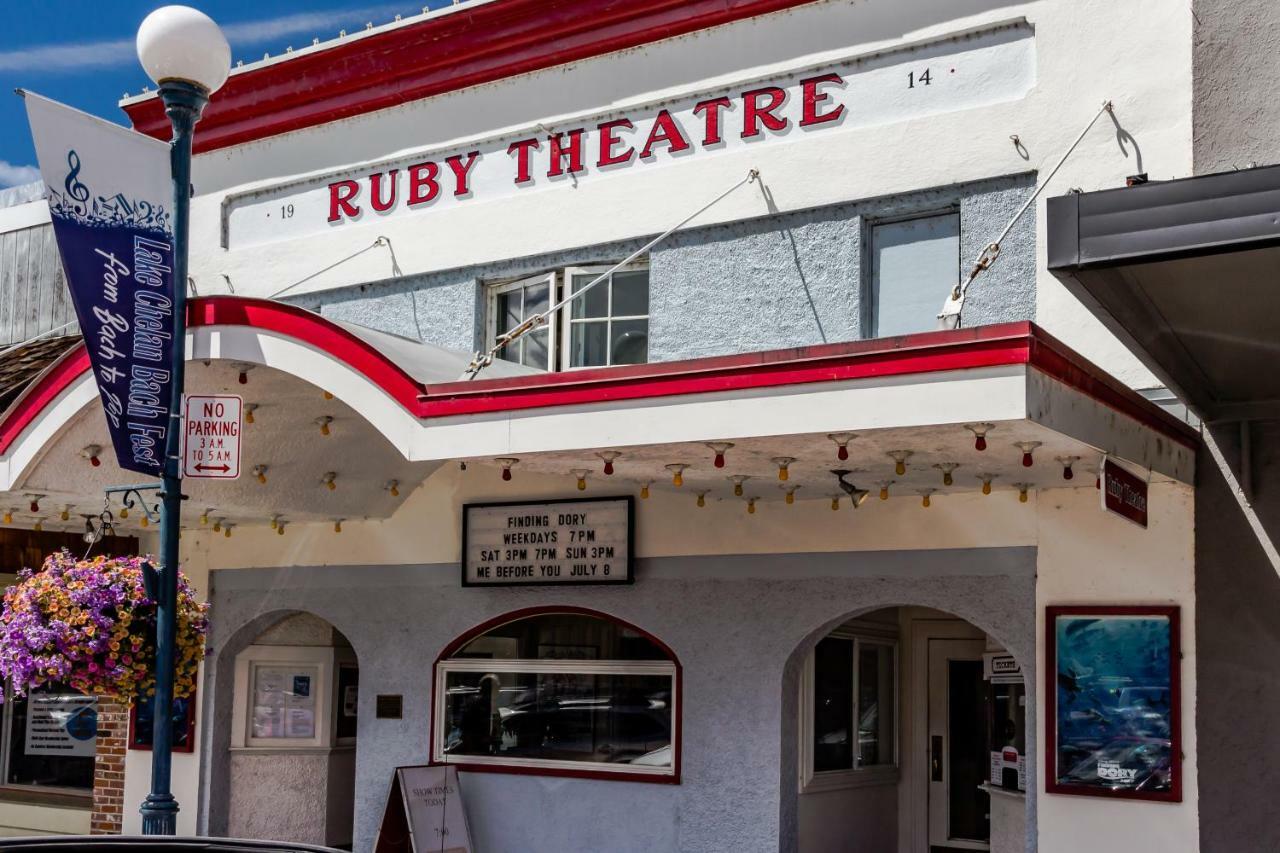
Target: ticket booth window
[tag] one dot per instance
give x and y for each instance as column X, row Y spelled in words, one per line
column 566, row 693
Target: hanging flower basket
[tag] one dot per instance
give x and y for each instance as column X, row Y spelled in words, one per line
column 89, row 625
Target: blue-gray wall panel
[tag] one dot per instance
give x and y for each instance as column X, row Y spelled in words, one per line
column 777, row 281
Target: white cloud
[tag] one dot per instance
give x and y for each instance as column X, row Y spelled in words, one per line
column 106, row 54
column 12, row 176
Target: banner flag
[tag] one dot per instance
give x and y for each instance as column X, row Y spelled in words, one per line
column 110, row 198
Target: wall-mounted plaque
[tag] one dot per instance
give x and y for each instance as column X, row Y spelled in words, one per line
column 535, row 543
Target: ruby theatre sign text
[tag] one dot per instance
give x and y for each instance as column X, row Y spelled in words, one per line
column 586, row 541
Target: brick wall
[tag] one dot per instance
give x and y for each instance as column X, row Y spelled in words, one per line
column 108, row 770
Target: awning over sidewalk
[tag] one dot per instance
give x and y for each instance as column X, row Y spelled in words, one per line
column 1047, row 415
column 1187, row 274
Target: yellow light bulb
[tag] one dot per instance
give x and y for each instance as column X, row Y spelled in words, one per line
column 924, row 501
column 275, row 522
column 1022, row 496
column 331, row 485
column 835, row 503
column 324, row 429
column 884, row 493
column 751, row 506
column 328, row 395
column 986, row 487
column 146, row 522
column 337, row 527
column 39, row 526
column 678, row 479
column 947, row 479
column 262, row 477
column 395, row 491
column 226, row 531
column 204, row 518
column 582, row 484
column 66, row 514
column 737, row 490
column 217, row 527
column 280, row 530
column 124, row 512
column 791, row 497
column 783, row 474
column 900, row 469
column 8, row 518
column 644, row 492
column 702, row 499
column 248, row 416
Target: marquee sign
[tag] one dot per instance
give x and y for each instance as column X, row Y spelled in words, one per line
column 537, row 543
column 988, row 66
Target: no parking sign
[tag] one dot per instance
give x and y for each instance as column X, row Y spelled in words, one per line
column 211, row 437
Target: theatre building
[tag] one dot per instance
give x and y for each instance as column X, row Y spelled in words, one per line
column 740, row 547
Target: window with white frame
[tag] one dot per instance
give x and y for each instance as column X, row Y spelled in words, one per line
column 561, row 692
column 914, row 264
column 849, row 697
column 607, row 324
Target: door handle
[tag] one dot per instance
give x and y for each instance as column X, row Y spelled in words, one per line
column 935, row 758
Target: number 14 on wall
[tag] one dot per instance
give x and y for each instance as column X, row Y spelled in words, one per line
column 913, row 78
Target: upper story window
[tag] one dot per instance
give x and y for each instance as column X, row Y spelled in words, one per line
column 560, row 692
column 914, row 265
column 606, row 325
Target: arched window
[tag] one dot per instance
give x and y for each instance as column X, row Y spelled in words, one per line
column 564, row 692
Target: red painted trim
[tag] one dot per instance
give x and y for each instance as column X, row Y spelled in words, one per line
column 471, row 46
column 965, row 349
column 1051, row 699
column 1069, row 367
column 42, row 393
column 523, row 770
column 311, row 329
column 923, row 353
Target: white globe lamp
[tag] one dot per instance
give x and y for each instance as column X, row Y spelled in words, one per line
column 178, row 43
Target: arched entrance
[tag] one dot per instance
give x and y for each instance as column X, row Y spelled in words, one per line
column 285, row 753
column 913, row 733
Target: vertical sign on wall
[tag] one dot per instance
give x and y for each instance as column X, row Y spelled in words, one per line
column 1123, row 493
column 109, row 196
column 211, row 438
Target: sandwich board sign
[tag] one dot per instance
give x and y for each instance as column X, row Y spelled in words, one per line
column 211, row 437
column 424, row 813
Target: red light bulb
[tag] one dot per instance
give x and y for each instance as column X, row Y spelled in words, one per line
column 243, row 378
column 35, row 506
column 719, row 460
column 95, row 461
column 1068, row 474
column 1026, row 459
column 980, row 443
column 842, row 453
column 1097, row 482
column 608, row 467
column 506, row 473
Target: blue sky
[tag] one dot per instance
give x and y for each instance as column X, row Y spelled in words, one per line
column 81, row 52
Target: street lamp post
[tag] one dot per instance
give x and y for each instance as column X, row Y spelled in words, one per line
column 188, row 57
